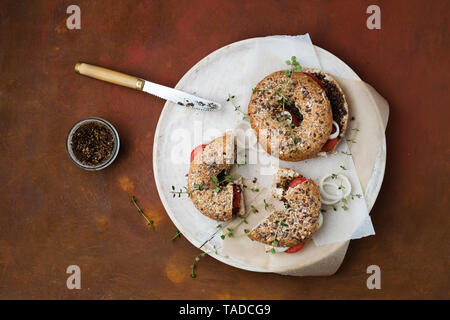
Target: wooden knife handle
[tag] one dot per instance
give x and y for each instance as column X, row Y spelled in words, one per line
column 111, row 76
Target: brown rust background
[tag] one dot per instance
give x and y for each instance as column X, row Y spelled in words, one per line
column 53, row 214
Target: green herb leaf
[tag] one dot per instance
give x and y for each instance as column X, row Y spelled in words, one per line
column 198, row 186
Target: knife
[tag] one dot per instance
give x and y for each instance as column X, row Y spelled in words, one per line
column 176, row 96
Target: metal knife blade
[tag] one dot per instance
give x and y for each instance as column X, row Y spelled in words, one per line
column 180, row 97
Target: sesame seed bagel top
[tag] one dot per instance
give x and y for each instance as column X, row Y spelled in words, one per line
column 295, row 225
column 302, row 97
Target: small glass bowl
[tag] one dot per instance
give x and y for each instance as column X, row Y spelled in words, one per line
column 113, row 154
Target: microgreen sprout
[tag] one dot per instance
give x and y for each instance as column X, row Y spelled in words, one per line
column 294, row 66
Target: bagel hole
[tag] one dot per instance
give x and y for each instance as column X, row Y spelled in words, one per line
column 221, row 176
column 295, row 112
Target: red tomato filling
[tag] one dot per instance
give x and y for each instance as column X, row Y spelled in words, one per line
column 296, row 182
column 196, row 150
column 295, row 248
column 294, row 119
column 236, row 198
column 315, row 79
column 329, row 145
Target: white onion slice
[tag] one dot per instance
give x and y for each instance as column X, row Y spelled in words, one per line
column 336, row 133
column 287, row 116
column 329, row 202
column 347, row 188
column 329, row 198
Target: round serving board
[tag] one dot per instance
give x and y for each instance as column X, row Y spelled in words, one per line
column 170, row 167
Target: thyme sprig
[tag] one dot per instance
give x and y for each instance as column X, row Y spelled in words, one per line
column 194, row 265
column 230, row 231
column 197, row 259
column 180, row 192
column 245, row 116
column 177, row 235
column 134, row 202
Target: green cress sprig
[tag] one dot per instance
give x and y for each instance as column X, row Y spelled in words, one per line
column 134, row 202
column 294, row 64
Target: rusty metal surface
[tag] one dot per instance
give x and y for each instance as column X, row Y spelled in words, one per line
column 53, row 214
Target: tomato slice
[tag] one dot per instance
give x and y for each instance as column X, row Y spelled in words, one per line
column 329, row 145
column 296, row 182
column 196, row 150
column 315, row 79
column 236, row 198
column 296, row 248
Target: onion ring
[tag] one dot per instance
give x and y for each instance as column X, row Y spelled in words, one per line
column 328, row 198
column 336, row 133
column 325, row 194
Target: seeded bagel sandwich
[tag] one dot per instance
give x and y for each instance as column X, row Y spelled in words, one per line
column 288, row 230
column 212, row 189
column 291, row 115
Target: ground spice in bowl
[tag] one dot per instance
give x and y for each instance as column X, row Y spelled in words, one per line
column 93, row 143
